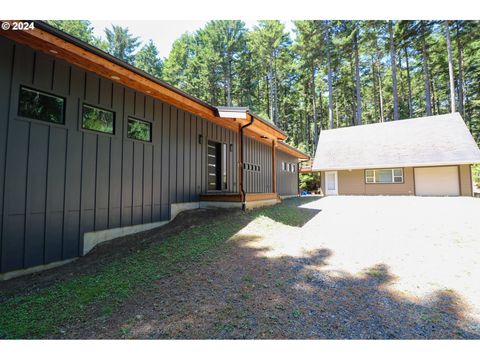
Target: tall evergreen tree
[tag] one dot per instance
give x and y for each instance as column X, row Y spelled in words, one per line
column 147, row 60
column 121, row 43
column 393, row 64
column 267, row 41
column 450, row 67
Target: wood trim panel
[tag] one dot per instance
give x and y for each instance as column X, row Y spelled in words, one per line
column 238, row 197
column 221, row 197
column 261, row 196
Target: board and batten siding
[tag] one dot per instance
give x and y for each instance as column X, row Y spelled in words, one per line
column 58, row 182
column 259, row 154
column 287, row 182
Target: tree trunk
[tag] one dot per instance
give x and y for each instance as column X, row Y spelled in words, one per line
column 450, row 68
column 275, row 95
column 402, row 96
column 394, row 72
column 320, row 113
column 330, row 90
column 229, row 84
column 336, row 113
column 374, row 83
column 428, row 98
column 270, row 95
column 379, row 74
column 409, row 81
column 435, row 104
column 460, row 73
column 357, row 80
column 314, row 108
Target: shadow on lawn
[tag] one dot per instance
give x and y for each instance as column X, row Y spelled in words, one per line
column 290, row 212
column 248, row 296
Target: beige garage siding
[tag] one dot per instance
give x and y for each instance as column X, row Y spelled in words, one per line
column 466, row 185
column 353, row 183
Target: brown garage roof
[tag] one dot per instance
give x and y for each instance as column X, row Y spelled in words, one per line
column 433, row 140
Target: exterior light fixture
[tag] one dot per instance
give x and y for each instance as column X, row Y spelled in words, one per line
column 53, row 51
column 231, row 147
column 114, row 77
column 200, row 139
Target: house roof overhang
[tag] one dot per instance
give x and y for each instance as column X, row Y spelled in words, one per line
column 61, row 45
column 292, row 151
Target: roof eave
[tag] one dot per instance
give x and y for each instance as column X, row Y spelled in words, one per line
column 397, row 165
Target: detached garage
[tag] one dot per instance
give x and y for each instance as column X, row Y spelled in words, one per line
column 429, row 156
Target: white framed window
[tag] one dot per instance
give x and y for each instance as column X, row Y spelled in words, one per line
column 384, row 176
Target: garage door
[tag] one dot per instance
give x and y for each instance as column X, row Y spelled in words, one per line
column 440, row 181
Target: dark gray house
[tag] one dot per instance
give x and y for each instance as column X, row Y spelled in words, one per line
column 93, row 148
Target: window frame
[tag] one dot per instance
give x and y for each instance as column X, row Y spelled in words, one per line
column 98, row 131
column 47, row 93
column 366, row 177
column 143, row 121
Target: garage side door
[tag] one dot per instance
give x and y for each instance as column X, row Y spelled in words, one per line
column 437, row 181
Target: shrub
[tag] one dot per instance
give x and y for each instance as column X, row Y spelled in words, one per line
column 476, row 174
column 310, row 181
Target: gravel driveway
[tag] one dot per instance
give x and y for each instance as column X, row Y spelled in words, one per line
column 338, row 267
column 356, row 267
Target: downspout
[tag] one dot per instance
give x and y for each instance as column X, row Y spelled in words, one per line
column 242, row 165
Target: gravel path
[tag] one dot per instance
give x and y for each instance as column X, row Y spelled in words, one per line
column 360, row 267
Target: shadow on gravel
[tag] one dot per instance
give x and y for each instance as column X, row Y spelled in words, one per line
column 244, row 295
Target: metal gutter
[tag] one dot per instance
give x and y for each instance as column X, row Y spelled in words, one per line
column 246, row 110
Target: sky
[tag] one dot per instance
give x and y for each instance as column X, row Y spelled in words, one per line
column 165, row 32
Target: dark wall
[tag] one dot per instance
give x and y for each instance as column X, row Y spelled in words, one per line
column 287, row 182
column 258, row 154
column 59, row 181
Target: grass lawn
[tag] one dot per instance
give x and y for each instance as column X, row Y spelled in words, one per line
column 42, row 312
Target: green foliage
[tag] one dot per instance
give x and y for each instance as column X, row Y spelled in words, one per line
column 147, row 60
column 139, row 130
column 121, row 43
column 81, row 29
column 41, row 106
column 476, row 174
column 285, row 81
column 310, row 181
column 97, row 119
